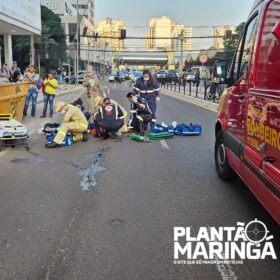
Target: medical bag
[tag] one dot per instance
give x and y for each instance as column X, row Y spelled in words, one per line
column 188, row 130
column 68, row 140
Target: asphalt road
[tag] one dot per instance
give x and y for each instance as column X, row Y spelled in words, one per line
column 123, row 227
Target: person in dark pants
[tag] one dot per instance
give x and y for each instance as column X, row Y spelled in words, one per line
column 108, row 120
column 32, row 79
column 148, row 88
column 140, row 112
column 50, row 85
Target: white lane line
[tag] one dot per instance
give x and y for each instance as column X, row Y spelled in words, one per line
column 164, row 145
column 225, row 270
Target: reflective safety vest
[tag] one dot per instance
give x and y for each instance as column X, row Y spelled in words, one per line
column 111, row 112
column 146, row 88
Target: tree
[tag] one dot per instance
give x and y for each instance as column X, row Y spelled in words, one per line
column 231, row 44
column 50, row 45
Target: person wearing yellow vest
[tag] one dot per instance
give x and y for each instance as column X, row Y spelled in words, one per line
column 74, row 121
column 50, row 86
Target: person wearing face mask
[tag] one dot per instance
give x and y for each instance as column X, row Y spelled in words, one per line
column 74, row 121
column 148, row 88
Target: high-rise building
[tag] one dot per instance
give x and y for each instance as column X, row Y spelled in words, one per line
column 160, row 28
column 220, row 33
column 165, row 28
column 111, row 28
column 186, row 32
column 86, row 8
column 68, row 11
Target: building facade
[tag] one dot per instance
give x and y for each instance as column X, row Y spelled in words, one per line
column 221, row 32
column 162, row 30
column 86, row 8
column 18, row 17
column 187, row 34
column 111, row 28
column 68, row 11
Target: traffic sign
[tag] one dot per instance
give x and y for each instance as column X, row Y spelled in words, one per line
column 203, row 58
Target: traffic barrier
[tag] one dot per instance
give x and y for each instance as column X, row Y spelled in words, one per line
column 192, row 88
column 12, row 99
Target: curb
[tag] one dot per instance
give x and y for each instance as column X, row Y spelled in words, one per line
column 190, row 99
column 60, row 93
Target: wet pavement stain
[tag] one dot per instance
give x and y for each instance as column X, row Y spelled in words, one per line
column 88, row 179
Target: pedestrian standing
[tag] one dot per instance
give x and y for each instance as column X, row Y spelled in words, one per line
column 59, row 75
column 15, row 73
column 32, row 78
column 148, row 88
column 4, row 74
column 50, row 86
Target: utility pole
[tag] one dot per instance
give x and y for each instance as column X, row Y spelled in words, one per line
column 32, row 50
column 181, row 38
column 77, row 44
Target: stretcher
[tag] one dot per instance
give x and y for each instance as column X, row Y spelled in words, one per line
column 12, row 133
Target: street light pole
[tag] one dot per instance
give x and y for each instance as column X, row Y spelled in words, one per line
column 181, row 38
column 77, row 45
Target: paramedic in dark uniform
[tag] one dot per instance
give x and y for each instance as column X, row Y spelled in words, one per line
column 109, row 119
column 148, row 88
column 141, row 115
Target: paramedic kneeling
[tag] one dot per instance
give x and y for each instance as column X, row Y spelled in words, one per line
column 109, row 119
column 74, row 122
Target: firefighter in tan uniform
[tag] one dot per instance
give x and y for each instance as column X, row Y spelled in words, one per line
column 94, row 89
column 74, row 121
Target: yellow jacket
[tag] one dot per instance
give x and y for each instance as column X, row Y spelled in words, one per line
column 50, row 89
column 74, row 114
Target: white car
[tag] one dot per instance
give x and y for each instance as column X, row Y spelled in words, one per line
column 161, row 74
column 112, row 77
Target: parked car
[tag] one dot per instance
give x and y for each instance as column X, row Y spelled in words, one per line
column 112, row 77
column 190, row 76
column 161, row 74
column 125, row 74
column 81, row 78
column 172, row 76
column 248, row 128
column 135, row 75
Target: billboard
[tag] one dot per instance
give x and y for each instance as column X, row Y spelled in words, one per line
column 24, row 14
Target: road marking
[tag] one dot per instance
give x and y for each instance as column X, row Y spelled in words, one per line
column 224, row 269
column 164, row 145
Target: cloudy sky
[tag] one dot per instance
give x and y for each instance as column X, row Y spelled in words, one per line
column 202, row 14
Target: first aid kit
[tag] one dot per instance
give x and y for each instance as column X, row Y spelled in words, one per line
column 188, row 130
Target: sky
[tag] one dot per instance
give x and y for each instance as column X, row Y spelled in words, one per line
column 198, row 13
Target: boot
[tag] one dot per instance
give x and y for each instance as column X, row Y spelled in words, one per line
column 51, row 145
column 85, row 136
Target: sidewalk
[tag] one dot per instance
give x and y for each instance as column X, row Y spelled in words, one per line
column 62, row 90
column 199, row 101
